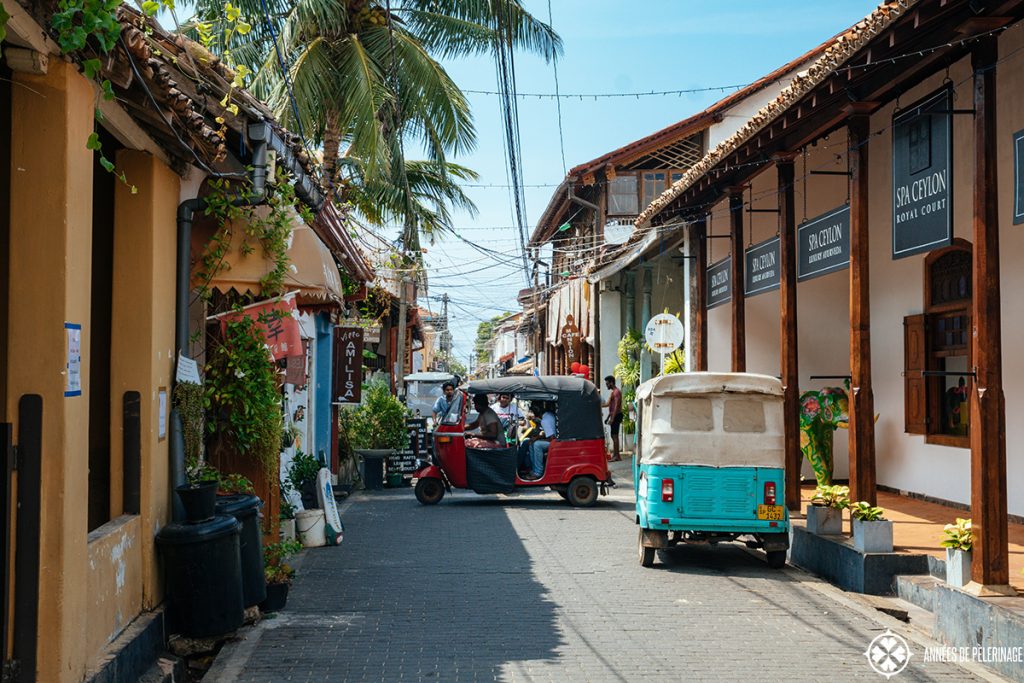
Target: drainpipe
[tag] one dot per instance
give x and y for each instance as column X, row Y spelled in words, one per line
column 306, row 189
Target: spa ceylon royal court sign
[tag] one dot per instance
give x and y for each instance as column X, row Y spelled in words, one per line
column 823, row 244
column 762, row 272
column 719, row 282
column 922, row 176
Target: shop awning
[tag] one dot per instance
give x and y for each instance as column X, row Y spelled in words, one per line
column 312, row 271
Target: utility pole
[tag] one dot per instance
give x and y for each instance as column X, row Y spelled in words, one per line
column 446, row 336
column 403, row 307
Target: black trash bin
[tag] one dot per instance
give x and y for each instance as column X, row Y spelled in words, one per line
column 203, row 576
column 373, row 471
column 246, row 509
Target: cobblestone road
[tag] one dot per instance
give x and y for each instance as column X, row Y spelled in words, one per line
column 527, row 588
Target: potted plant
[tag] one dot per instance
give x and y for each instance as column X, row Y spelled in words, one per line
column 825, row 513
column 302, row 477
column 289, row 435
column 872, row 532
column 234, row 484
column 199, row 495
column 376, row 429
column 278, row 573
column 287, row 516
column 958, row 542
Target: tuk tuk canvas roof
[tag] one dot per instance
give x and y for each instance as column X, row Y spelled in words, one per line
column 579, row 401
column 710, row 382
column 712, row 419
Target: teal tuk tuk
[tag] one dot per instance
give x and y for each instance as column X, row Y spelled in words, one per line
column 710, row 463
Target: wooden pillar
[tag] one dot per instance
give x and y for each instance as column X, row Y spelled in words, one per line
column 788, row 362
column 700, row 306
column 861, row 399
column 739, row 324
column 988, row 408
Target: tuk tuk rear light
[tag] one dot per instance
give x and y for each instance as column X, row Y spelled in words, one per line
column 667, row 490
column 444, row 439
column 769, row 493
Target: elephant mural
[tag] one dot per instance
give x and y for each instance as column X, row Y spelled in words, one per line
column 821, row 413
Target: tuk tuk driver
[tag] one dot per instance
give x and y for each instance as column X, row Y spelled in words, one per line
column 443, row 401
column 491, row 434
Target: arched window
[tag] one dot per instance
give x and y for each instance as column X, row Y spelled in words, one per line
column 937, row 348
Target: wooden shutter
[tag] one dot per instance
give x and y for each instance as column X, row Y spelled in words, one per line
column 915, row 396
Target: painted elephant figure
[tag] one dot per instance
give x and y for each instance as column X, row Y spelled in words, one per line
column 821, row 413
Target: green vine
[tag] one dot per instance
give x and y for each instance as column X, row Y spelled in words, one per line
column 242, row 394
column 269, row 229
column 188, row 399
column 4, row 16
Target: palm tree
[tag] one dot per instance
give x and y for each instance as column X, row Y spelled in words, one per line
column 365, row 80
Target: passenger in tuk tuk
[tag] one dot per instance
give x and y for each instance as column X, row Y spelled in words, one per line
column 539, row 446
column 530, row 433
column 509, row 414
column 490, row 432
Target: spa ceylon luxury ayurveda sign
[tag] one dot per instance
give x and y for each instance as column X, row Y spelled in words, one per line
column 922, row 176
column 762, row 271
column 823, row 244
column 719, row 282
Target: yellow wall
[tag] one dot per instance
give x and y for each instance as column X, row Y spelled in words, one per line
column 50, row 247
column 91, row 585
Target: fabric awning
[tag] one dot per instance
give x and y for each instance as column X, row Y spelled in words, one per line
column 312, row 271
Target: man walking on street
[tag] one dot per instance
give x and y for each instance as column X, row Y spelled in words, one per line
column 614, row 419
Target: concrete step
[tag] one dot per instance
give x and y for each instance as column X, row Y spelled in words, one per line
column 918, row 590
column 166, row 669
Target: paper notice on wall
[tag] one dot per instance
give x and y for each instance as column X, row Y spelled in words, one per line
column 161, row 428
column 188, row 370
column 73, row 368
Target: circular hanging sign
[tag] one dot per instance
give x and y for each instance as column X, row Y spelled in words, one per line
column 664, row 333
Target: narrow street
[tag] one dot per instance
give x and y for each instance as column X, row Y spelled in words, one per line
column 526, row 588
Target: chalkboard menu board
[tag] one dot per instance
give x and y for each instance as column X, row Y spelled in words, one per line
column 762, row 273
column 922, row 176
column 404, row 461
column 823, row 244
column 719, row 282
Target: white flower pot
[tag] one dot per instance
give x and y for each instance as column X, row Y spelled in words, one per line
column 872, row 537
column 288, row 529
column 958, row 567
column 824, row 521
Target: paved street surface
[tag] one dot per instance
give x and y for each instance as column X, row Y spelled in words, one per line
column 527, row 588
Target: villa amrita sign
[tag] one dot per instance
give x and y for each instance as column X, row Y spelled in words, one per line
column 823, row 244
column 348, row 365
column 719, row 286
column 922, row 176
column 762, row 272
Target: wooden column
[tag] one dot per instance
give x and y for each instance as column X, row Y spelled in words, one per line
column 739, row 324
column 700, row 306
column 788, row 363
column 862, row 402
column 988, row 408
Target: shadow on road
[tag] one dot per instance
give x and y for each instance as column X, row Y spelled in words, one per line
column 418, row 593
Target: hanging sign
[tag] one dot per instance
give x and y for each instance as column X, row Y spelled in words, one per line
column 664, row 333
column 823, row 244
column 348, row 365
column 276, row 320
column 187, row 371
column 571, row 340
column 922, row 176
column 719, row 282
column 1018, row 177
column 762, row 272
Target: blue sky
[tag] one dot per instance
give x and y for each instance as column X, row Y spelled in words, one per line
column 610, row 47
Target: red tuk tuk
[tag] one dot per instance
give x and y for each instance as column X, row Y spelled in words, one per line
column 576, row 465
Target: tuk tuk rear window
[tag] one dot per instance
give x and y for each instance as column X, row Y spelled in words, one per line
column 692, row 415
column 743, row 415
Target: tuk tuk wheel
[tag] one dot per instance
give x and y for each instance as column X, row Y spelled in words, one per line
column 646, row 554
column 429, row 490
column 776, row 558
column 582, row 492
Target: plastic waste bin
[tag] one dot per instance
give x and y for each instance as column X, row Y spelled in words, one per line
column 246, row 509
column 373, row 471
column 203, row 575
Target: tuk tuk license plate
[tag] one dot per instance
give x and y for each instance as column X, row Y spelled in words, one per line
column 771, row 512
